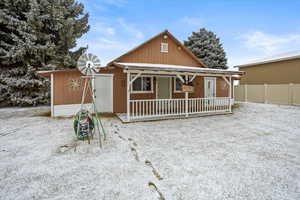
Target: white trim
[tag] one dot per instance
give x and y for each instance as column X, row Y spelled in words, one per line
column 134, row 78
column 215, row 86
column 68, row 110
column 103, row 74
column 179, row 76
column 193, row 77
column 149, row 72
column 139, row 91
column 52, row 94
column 164, row 47
column 225, row 79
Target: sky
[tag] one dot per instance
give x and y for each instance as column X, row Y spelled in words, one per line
column 248, row 29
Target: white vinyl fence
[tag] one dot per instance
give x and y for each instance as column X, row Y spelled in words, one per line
column 152, row 108
column 288, row 94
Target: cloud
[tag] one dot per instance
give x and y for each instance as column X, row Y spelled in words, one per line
column 103, row 29
column 270, row 43
column 192, row 21
column 109, row 39
column 131, row 29
column 107, row 49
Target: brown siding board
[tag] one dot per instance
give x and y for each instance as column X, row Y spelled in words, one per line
column 222, row 88
column 63, row 93
column 150, row 53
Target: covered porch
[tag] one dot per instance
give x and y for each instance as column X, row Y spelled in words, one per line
column 162, row 104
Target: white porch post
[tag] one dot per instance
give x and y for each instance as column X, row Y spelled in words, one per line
column 186, row 99
column 230, row 93
column 128, row 96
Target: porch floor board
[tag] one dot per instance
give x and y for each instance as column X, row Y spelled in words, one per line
column 123, row 116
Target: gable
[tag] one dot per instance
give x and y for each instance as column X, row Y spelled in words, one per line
column 150, row 52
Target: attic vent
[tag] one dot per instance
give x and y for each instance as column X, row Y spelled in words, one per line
column 164, row 47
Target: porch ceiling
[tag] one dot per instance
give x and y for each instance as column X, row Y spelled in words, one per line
column 148, row 68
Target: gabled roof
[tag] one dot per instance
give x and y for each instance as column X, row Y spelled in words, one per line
column 275, row 58
column 151, row 39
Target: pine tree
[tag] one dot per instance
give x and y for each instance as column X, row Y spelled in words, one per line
column 36, row 35
column 207, row 47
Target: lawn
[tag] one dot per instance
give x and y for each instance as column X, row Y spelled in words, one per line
column 251, row 154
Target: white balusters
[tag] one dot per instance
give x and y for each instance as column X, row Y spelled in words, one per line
column 176, row 107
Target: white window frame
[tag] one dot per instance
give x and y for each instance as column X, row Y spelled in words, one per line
column 174, row 86
column 164, row 47
column 140, row 91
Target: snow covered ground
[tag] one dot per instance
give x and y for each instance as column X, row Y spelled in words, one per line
column 252, row 154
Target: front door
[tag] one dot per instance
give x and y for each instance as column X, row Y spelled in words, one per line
column 163, row 88
column 210, row 87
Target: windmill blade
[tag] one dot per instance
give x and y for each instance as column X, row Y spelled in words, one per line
column 95, row 59
column 90, row 56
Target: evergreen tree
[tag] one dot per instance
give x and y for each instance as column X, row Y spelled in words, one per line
column 36, row 35
column 207, row 47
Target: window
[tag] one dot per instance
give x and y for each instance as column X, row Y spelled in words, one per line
column 177, row 85
column 164, row 47
column 142, row 85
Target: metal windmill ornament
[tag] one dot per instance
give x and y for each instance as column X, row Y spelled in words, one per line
column 88, row 64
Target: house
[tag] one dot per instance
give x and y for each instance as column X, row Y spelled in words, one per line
column 275, row 79
column 147, row 83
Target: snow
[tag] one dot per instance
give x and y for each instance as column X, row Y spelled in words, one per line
column 251, row 154
column 173, row 67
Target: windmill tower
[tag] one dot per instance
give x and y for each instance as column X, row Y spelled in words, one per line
column 89, row 65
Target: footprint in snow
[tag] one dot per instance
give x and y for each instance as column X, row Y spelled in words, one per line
column 154, row 171
column 154, row 188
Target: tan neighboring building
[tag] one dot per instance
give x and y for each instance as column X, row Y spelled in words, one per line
column 271, row 80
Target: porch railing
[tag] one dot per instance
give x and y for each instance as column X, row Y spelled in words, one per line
column 153, row 108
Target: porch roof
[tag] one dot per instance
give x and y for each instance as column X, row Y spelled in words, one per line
column 148, row 67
